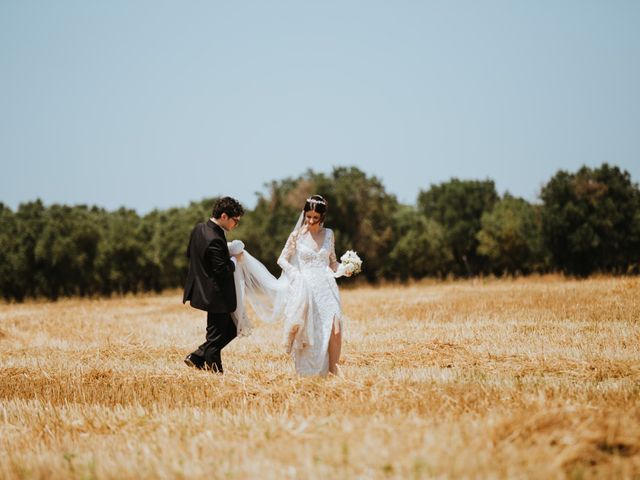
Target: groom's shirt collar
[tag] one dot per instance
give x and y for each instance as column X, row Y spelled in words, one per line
column 215, row 226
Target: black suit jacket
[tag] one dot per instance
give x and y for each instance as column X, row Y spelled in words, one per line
column 209, row 284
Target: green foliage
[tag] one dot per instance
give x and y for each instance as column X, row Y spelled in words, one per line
column 458, row 206
column 421, row 249
column 62, row 251
column 26, row 278
column 360, row 213
column 8, row 253
column 167, row 239
column 266, row 228
column 591, row 220
column 65, row 251
column 511, row 237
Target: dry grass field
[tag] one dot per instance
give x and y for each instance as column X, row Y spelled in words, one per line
column 528, row 378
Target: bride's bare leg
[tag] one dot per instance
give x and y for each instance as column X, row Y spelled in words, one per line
column 335, row 345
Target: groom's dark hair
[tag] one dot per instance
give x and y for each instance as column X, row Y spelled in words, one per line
column 227, row 205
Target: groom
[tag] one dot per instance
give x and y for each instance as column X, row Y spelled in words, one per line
column 209, row 284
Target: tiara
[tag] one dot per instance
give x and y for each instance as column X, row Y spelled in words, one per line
column 314, row 201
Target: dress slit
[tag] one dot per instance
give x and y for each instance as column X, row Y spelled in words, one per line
column 335, row 325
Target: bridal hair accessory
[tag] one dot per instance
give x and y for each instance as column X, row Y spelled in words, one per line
column 313, row 201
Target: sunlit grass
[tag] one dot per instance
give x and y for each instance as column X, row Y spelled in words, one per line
column 529, row 378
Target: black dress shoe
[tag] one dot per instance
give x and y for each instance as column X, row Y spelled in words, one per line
column 194, row 361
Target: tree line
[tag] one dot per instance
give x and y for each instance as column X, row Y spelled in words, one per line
column 586, row 222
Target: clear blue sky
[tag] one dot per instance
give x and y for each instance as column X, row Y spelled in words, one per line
column 156, row 103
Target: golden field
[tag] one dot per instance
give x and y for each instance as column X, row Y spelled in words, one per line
column 527, row 378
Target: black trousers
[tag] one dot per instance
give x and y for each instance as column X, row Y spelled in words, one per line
column 220, row 331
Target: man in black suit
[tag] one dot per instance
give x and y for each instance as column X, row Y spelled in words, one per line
column 210, row 285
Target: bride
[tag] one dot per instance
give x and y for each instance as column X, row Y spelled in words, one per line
column 306, row 296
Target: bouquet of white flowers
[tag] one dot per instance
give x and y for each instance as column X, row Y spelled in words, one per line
column 351, row 262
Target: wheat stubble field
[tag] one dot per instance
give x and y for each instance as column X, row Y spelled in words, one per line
column 530, row 378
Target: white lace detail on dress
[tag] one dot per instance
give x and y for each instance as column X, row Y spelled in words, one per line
column 314, row 301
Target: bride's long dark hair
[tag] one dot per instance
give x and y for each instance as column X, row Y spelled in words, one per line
column 317, row 203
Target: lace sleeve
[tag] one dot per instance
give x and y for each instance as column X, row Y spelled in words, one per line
column 333, row 261
column 287, row 252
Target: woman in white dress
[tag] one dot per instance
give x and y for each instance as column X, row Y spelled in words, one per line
column 313, row 322
column 305, row 296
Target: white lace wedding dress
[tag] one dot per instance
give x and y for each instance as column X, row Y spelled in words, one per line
column 313, row 304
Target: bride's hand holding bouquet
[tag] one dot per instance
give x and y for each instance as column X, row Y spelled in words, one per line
column 351, row 264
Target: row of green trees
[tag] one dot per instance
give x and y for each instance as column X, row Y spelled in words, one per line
column 588, row 221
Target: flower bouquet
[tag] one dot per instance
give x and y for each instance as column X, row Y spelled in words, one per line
column 351, row 264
